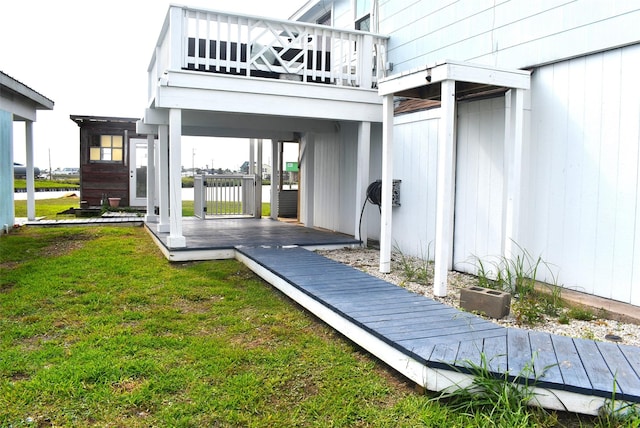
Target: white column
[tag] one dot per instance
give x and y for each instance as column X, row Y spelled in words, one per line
column 175, row 238
column 252, row 154
column 387, row 183
column 445, row 185
column 513, row 142
column 307, row 178
column 275, row 177
column 31, row 199
column 362, row 179
column 151, row 180
column 176, row 35
column 163, row 179
column 258, row 172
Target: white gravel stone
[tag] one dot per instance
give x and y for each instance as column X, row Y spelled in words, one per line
column 367, row 260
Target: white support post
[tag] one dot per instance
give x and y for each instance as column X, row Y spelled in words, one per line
column 151, row 216
column 258, row 192
column 307, row 172
column 275, row 177
column 362, row 178
column 513, row 146
column 175, row 238
column 445, row 188
column 163, row 181
column 177, row 37
column 387, row 183
column 365, row 65
column 31, row 199
column 252, row 159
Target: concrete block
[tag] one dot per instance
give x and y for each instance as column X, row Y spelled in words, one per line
column 492, row 303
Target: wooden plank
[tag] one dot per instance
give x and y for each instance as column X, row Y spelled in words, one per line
column 399, row 305
column 632, row 354
column 545, row 361
column 443, row 334
column 570, row 365
column 365, row 297
column 415, row 327
column 431, row 320
column 519, row 356
column 601, row 378
column 469, row 353
column 444, row 355
column 625, row 376
column 407, row 313
column 421, row 351
column 495, row 352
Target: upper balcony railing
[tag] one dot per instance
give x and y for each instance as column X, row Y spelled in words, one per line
column 219, row 42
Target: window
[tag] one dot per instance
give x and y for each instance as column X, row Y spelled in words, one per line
column 106, row 148
column 364, row 24
column 363, row 15
column 325, row 19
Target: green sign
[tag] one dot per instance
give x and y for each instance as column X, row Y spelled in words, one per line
column 291, row 167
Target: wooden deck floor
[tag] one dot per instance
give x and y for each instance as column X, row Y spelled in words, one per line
column 217, row 238
column 568, row 374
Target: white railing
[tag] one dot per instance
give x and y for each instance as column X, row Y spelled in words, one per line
column 220, row 42
column 224, row 195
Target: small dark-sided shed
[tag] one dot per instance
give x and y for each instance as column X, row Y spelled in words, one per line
column 105, row 157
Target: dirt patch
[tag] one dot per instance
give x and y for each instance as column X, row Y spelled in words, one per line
column 127, row 386
column 5, row 288
column 195, row 304
column 19, row 376
column 66, row 244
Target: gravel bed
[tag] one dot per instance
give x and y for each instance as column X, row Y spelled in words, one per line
column 367, row 260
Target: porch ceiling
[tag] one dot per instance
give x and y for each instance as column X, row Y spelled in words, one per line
column 471, row 79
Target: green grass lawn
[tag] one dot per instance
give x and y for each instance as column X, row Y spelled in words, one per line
column 98, row 329
column 68, row 183
column 51, row 207
column 48, row 207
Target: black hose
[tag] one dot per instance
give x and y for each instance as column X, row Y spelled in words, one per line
column 374, row 195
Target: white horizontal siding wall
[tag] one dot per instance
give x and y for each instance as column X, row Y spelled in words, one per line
column 504, row 33
column 582, row 194
column 414, row 162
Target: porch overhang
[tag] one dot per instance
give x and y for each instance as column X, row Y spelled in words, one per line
column 191, row 90
column 448, row 82
column 473, row 78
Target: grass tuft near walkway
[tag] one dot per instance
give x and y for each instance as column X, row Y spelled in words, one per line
column 98, row 329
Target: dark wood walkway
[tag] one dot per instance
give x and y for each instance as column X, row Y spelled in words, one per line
column 442, row 337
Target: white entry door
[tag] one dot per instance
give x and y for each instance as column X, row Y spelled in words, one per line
column 138, row 172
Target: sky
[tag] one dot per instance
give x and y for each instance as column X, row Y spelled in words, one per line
column 90, row 57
